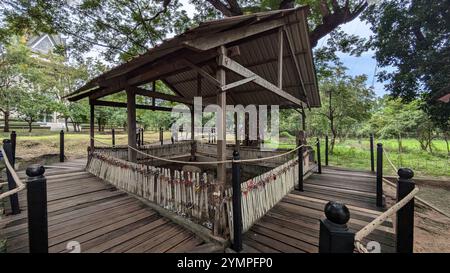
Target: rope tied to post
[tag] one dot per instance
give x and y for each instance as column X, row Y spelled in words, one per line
column 19, row 184
column 212, row 162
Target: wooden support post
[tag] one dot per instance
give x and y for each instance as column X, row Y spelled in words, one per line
column 379, row 175
column 131, row 118
column 221, row 128
column 334, row 235
column 237, row 144
column 280, row 58
column 37, row 209
column 319, row 161
column 91, row 125
column 237, row 195
column 372, row 159
column 138, row 137
column 161, row 136
column 113, row 133
column 300, row 165
column 405, row 216
column 61, row 146
column 326, row 150
column 13, row 199
column 13, row 147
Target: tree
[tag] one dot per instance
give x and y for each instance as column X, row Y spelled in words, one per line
column 413, row 37
column 396, row 118
column 122, row 29
column 127, row 28
column 33, row 105
column 346, row 104
column 14, row 63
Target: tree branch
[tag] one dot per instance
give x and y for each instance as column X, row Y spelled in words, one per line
column 339, row 16
column 224, row 9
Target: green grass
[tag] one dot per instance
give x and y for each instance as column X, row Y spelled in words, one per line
column 355, row 154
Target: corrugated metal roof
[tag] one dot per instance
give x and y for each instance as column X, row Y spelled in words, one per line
column 258, row 53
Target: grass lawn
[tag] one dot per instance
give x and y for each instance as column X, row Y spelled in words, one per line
column 44, row 144
column 355, row 154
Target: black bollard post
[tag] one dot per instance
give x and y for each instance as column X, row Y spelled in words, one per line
column 372, row 159
column 237, row 195
column 319, row 161
column 326, row 150
column 334, row 235
column 405, row 216
column 37, row 209
column 142, row 136
column 113, row 133
column 13, row 199
column 379, row 185
column 300, row 166
column 13, row 147
column 61, row 146
column 161, row 136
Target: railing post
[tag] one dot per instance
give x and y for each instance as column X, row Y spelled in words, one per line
column 13, row 147
column 372, row 159
column 237, row 214
column 37, row 209
column 13, row 199
column 113, row 133
column 161, row 136
column 379, row 175
column 319, row 161
column 142, row 136
column 405, row 216
column 300, row 166
column 326, row 150
column 334, row 236
column 61, row 146
column 138, row 137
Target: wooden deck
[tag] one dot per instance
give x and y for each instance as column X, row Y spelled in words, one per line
column 83, row 208
column 292, row 226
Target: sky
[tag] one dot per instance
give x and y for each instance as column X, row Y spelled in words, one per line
column 365, row 64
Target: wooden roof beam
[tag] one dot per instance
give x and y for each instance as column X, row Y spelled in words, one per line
column 247, row 73
column 294, row 59
column 138, row 106
column 213, row 41
column 157, row 95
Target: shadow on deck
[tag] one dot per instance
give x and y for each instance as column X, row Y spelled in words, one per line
column 83, row 208
column 292, row 226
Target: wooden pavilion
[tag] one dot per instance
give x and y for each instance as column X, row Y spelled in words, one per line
column 257, row 59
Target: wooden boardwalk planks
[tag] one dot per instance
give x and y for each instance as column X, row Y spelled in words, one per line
column 84, row 209
column 293, row 224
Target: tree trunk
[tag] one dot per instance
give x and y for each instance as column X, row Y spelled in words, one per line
column 446, row 141
column 6, row 127
column 65, row 123
column 29, row 125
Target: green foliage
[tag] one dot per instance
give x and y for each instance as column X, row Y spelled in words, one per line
column 122, row 28
column 413, row 37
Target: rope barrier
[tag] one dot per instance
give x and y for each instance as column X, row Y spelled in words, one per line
column 20, row 185
column 213, row 162
column 379, row 220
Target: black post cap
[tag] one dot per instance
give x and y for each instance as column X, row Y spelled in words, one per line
column 235, row 155
column 6, row 141
column 35, row 170
column 379, row 145
column 405, row 173
column 337, row 213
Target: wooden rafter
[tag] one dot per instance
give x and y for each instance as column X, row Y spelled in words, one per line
column 294, row 59
column 202, row 72
column 124, row 105
column 246, row 73
column 157, row 95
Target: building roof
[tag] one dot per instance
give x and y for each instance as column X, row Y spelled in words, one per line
column 252, row 41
